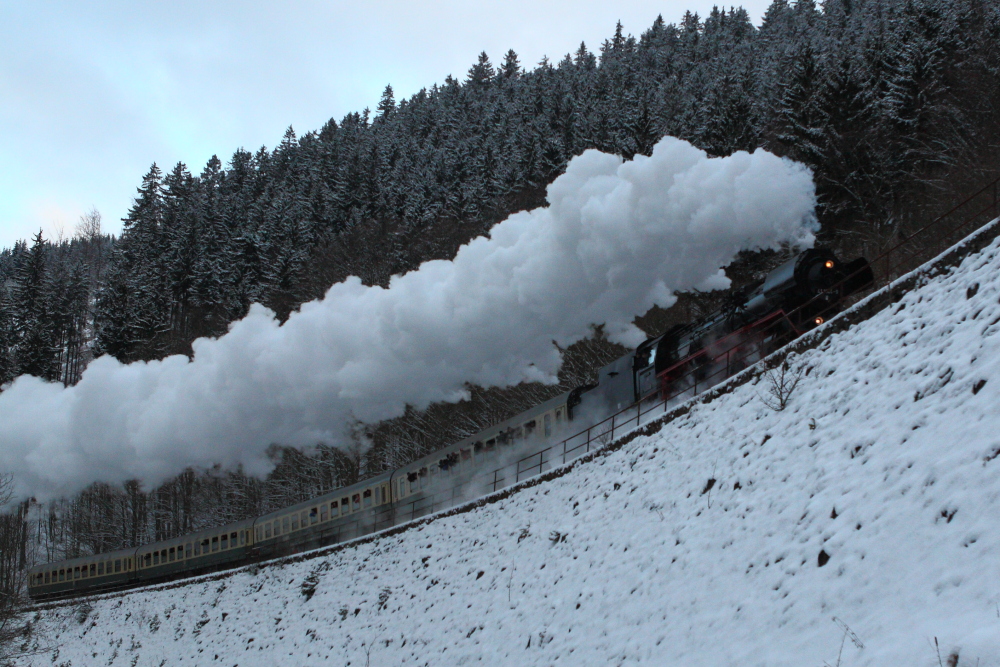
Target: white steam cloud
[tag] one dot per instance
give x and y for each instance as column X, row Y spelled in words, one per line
column 616, row 238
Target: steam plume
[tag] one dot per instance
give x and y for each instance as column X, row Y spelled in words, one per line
column 616, row 238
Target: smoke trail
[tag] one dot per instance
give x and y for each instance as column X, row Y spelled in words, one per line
column 616, row 238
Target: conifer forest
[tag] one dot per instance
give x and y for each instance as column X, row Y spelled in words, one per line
column 894, row 104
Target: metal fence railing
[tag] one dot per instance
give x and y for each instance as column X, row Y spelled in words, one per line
column 726, row 357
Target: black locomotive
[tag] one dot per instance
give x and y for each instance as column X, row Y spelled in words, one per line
column 795, row 297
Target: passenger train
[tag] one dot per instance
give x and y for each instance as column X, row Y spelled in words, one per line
column 792, row 299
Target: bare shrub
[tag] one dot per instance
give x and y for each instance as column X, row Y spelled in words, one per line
column 780, row 383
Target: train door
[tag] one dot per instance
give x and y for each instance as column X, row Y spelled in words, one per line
column 646, row 382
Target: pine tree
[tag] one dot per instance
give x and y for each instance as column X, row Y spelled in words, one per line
column 130, row 304
column 36, row 348
column 386, row 105
column 511, row 68
column 481, row 74
column 8, row 368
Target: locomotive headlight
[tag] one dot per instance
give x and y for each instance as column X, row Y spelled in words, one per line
column 818, row 320
column 828, row 264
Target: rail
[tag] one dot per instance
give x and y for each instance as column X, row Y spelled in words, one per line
column 727, row 356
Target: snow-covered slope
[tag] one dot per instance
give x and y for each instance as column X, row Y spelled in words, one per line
column 867, row 513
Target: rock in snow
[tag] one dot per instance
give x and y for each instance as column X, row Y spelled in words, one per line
column 859, row 526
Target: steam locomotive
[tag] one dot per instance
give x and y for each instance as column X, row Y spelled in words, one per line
column 793, row 298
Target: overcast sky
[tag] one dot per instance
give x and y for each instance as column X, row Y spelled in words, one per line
column 91, row 94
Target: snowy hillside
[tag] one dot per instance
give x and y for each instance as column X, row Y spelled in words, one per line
column 867, row 513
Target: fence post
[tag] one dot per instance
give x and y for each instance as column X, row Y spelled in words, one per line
column 612, row 428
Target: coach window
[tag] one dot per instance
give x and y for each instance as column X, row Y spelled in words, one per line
column 46, row 577
column 345, row 505
column 243, row 537
column 62, row 575
column 118, row 566
column 559, row 415
column 215, row 544
column 323, row 512
column 225, row 541
column 187, row 550
column 313, row 516
column 232, row 540
column 100, row 569
column 267, row 531
column 163, row 556
column 156, row 558
column 367, row 497
column 295, row 521
column 303, row 519
column 355, row 502
column 548, row 425
column 93, row 569
column 173, row 554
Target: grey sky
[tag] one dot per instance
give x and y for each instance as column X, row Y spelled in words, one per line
column 91, row 94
